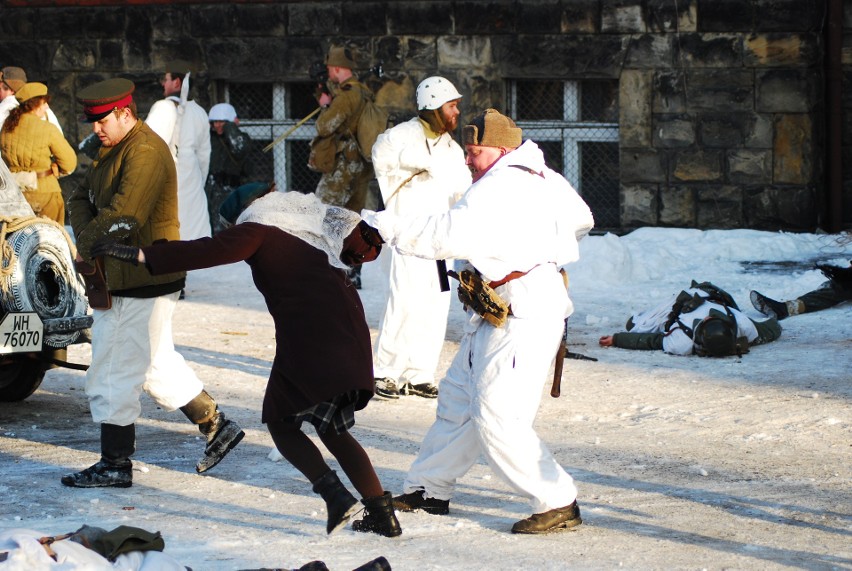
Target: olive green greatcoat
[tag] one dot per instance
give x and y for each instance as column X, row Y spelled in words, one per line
column 130, row 192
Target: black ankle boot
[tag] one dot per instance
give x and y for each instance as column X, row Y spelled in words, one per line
column 379, row 517
column 222, row 434
column 114, row 470
column 339, row 503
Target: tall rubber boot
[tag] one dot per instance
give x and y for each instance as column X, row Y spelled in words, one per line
column 379, row 517
column 114, row 469
column 339, row 503
column 222, row 434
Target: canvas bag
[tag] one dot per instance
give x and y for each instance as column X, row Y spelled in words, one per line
column 323, row 154
column 372, row 122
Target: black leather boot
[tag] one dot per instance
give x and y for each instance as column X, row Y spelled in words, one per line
column 114, row 470
column 222, row 434
column 379, row 517
column 339, row 503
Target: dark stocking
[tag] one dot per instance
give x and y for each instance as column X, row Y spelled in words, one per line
column 298, row 449
column 354, row 462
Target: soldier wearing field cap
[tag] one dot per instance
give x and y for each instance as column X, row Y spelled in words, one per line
column 11, row 80
column 130, row 194
column 517, row 225
column 347, row 183
column 36, row 152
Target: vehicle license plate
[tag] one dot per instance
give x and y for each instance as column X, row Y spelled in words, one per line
column 21, row 332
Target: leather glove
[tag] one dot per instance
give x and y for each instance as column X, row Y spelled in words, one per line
column 106, row 246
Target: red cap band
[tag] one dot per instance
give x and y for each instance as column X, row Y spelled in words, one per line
column 98, row 109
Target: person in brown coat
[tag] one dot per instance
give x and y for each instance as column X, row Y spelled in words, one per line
column 323, row 369
column 132, row 188
column 36, row 152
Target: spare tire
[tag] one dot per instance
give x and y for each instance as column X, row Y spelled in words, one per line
column 44, row 279
column 20, row 378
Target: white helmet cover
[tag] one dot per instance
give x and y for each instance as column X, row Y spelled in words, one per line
column 435, row 91
column 223, row 112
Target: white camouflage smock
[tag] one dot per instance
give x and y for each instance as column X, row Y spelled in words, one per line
column 511, row 219
column 190, row 145
column 419, row 173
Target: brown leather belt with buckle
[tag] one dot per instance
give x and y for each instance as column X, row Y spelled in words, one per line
column 509, row 277
column 44, row 174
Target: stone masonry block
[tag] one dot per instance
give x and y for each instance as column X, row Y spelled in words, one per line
column 668, row 16
column 73, row 54
column 580, row 16
column 673, row 132
column 677, row 206
column 314, row 19
column 485, row 17
column 723, row 130
column 642, row 165
column 649, row 51
column 464, row 51
column 639, row 204
column 719, row 207
column 669, row 92
column 697, row 166
column 539, row 17
column 749, row 166
column 419, row 18
column 708, row 50
column 719, row 90
column 793, row 148
column 622, row 17
column 782, row 50
column 364, row 18
column 786, row 91
column 634, row 108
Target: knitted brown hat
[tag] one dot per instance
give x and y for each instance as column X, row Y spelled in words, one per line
column 340, row 57
column 491, row 129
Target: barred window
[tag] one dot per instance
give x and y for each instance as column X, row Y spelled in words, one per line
column 575, row 123
column 267, row 111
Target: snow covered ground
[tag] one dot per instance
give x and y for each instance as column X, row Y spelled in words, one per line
column 681, row 462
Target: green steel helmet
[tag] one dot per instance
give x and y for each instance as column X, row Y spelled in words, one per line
column 716, row 335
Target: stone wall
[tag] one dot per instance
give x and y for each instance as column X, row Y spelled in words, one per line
column 722, row 113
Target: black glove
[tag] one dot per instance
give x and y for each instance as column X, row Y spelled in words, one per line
column 106, row 246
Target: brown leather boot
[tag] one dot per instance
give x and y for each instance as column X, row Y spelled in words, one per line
column 553, row 520
column 222, row 434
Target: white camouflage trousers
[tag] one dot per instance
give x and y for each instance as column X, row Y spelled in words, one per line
column 487, row 405
column 132, row 351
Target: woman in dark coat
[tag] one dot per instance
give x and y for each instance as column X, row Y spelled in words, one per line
column 298, row 250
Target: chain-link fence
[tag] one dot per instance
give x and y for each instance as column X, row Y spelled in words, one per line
column 576, row 125
column 574, row 122
column 267, row 111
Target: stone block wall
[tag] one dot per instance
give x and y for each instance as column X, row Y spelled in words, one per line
column 722, row 114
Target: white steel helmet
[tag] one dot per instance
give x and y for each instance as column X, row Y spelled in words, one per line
column 222, row 112
column 435, row 91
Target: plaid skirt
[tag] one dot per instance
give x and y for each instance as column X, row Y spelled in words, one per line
column 337, row 414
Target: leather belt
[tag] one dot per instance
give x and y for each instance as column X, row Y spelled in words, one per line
column 509, row 277
column 44, row 174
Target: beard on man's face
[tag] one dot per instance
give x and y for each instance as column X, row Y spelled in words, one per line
column 450, row 123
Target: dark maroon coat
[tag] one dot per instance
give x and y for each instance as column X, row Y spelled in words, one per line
column 322, row 342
